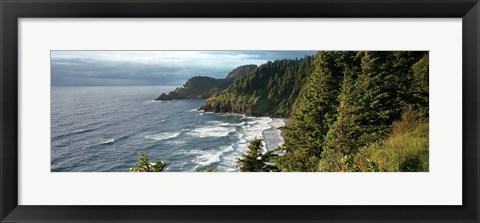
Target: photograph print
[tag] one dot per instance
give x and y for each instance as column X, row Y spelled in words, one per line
column 239, row 111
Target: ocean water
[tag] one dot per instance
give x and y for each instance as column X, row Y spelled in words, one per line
column 103, row 129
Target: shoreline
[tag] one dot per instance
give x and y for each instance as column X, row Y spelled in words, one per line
column 225, row 160
column 283, row 130
column 277, row 125
column 273, row 136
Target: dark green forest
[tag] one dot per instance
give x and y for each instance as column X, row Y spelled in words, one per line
column 346, row 111
column 201, row 87
column 270, row 90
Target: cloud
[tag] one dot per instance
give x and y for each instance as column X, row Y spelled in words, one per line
column 152, row 67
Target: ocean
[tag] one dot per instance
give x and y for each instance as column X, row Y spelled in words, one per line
column 104, row 128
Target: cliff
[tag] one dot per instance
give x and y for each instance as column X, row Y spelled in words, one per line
column 197, row 88
column 221, row 107
column 241, row 70
column 201, row 87
column 270, row 90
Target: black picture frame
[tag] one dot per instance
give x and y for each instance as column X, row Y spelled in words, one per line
column 12, row 10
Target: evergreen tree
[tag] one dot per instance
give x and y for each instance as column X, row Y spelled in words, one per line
column 255, row 160
column 375, row 89
column 252, row 161
column 420, row 86
column 350, row 100
column 340, row 103
column 144, row 165
column 313, row 115
column 270, row 90
column 343, row 134
column 382, row 92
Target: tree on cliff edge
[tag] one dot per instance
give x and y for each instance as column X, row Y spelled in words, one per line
column 144, row 165
column 254, row 160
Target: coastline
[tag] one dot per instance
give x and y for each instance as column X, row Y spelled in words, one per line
column 283, row 130
column 273, row 136
column 225, row 159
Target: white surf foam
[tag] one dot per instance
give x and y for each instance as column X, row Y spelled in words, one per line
column 109, row 141
column 211, row 131
column 226, row 158
column 273, row 136
column 216, row 123
column 232, row 124
column 257, row 127
column 225, row 124
column 249, row 129
column 205, row 158
column 163, row 136
column 264, row 127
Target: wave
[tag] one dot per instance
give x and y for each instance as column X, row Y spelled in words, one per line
column 211, row 131
column 206, row 158
column 107, row 142
column 163, row 136
column 110, row 141
column 231, row 124
column 225, row 124
column 264, row 127
column 216, row 122
column 175, row 142
column 81, row 131
column 85, row 128
column 273, row 136
column 255, row 128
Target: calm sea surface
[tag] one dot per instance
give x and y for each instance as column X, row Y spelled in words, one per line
column 103, row 129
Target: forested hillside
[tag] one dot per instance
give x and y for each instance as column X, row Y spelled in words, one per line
column 197, row 88
column 240, row 71
column 349, row 116
column 351, row 111
column 271, row 90
column 200, row 87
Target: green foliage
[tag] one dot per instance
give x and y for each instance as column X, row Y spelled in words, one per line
column 255, row 160
column 200, row 87
column 343, row 134
column 144, row 165
column 346, row 108
column 197, row 88
column 241, row 71
column 315, row 113
column 382, row 92
column 420, row 86
column 412, row 163
column 270, row 90
column 351, row 101
column 404, row 150
column 211, row 170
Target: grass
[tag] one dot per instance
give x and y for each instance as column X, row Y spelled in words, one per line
column 402, row 151
column 405, row 149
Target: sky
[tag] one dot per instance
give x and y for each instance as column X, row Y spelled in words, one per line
column 85, row 68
